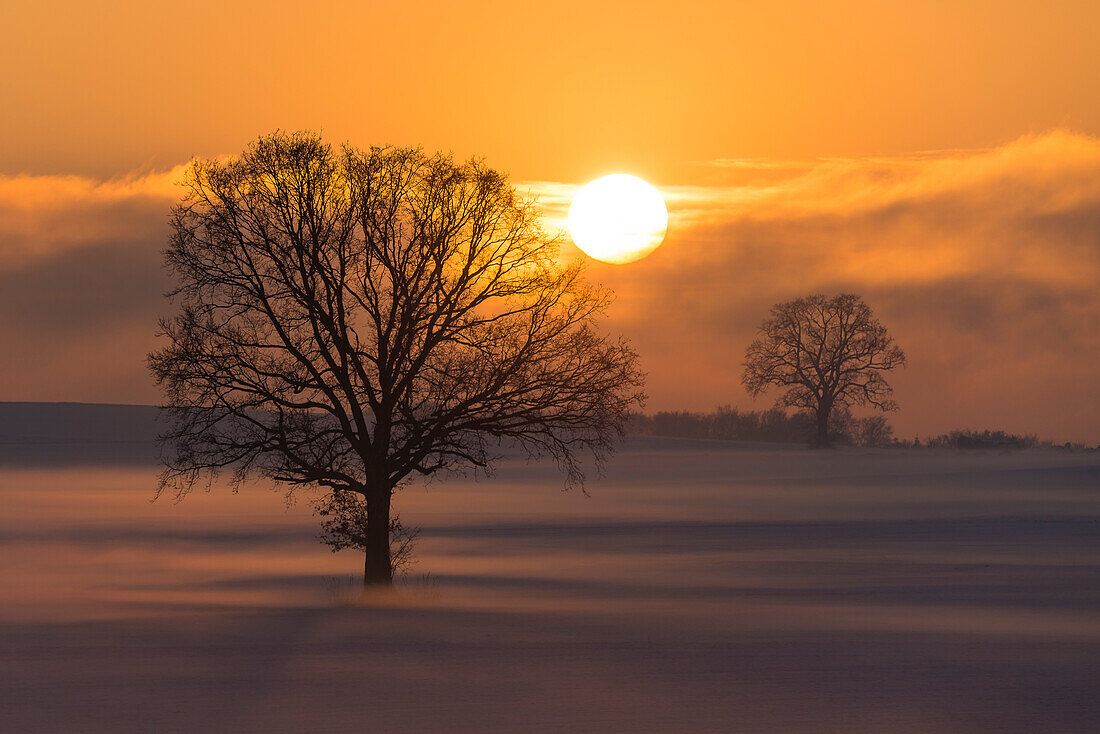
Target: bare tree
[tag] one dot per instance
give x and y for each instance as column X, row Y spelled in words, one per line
column 825, row 353
column 349, row 319
column 874, row 430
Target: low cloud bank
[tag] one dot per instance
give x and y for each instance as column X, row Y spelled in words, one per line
column 81, row 285
column 983, row 263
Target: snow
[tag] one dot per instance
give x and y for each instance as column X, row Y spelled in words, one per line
column 701, row 587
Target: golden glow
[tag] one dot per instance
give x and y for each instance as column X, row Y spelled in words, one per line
column 618, row 219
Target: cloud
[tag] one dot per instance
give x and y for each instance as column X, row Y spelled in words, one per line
column 983, row 263
column 81, row 285
column 44, row 215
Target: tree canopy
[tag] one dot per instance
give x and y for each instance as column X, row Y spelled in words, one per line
column 823, row 353
column 350, row 318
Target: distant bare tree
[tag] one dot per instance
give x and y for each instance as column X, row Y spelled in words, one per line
column 874, row 430
column 348, row 319
column 825, row 353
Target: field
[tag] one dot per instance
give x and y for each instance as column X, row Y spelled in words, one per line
column 701, row 587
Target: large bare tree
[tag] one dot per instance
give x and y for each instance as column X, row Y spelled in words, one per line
column 824, row 353
column 348, row 319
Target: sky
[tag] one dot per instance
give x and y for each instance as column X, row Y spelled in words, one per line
column 942, row 159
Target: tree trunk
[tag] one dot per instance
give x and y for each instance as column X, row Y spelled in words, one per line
column 822, row 441
column 378, row 567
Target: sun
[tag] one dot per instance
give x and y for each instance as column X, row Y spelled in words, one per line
column 618, row 219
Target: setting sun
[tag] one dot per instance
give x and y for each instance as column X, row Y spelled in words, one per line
column 618, row 219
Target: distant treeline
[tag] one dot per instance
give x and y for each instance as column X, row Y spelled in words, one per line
column 778, row 426
column 993, row 440
column 773, row 425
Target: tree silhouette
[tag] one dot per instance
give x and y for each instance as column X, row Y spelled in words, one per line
column 348, row 319
column 826, row 353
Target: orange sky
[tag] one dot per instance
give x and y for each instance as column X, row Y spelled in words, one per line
column 560, row 90
column 941, row 158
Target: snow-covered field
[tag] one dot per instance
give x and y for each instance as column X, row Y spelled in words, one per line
column 712, row 587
